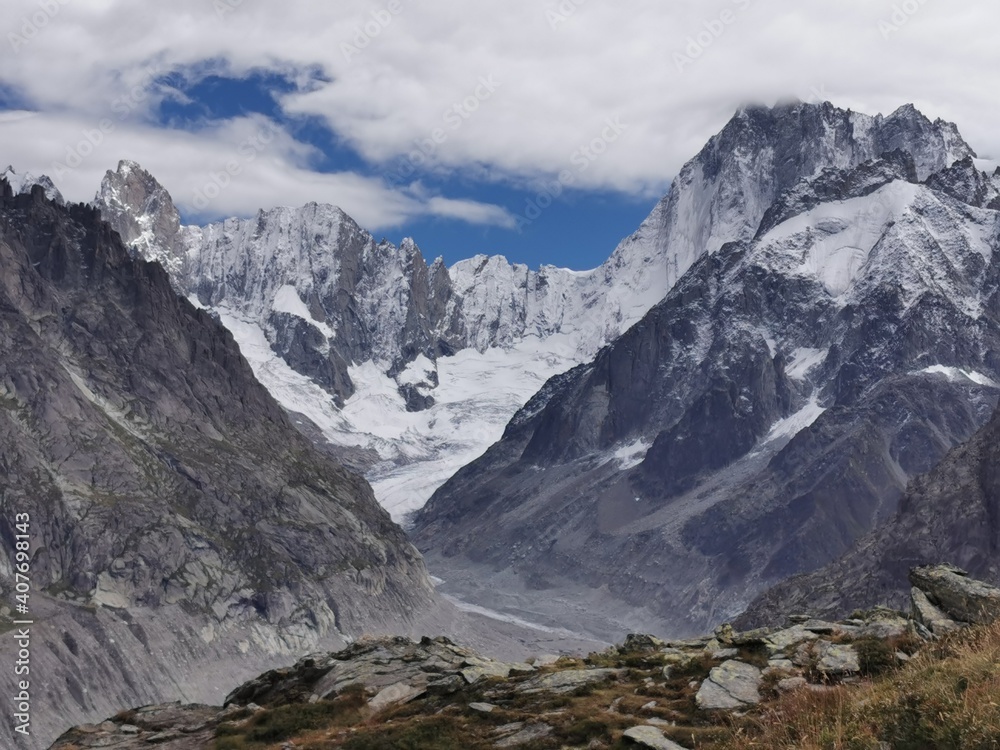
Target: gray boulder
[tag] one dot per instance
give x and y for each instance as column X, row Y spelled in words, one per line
column 517, row 734
column 652, row 737
column 837, row 660
column 960, row 597
column 568, row 681
column 932, row 618
column 638, row 643
column 732, row 684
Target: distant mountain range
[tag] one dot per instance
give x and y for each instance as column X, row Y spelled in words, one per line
column 835, row 337
column 806, row 322
column 436, row 359
column 741, row 391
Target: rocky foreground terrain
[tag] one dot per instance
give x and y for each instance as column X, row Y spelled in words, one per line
column 184, row 535
column 703, row 692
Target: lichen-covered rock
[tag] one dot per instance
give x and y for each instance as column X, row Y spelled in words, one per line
column 733, row 684
column 960, row 597
column 635, row 643
column 520, row 733
column 836, row 660
column 782, row 640
column 930, row 616
column 397, row 669
column 567, row 681
column 651, row 737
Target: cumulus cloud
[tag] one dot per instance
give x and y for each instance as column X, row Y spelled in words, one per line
column 511, row 90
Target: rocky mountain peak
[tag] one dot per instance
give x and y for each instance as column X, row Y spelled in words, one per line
column 967, row 183
column 311, row 295
column 176, row 511
column 831, row 311
column 143, row 213
column 23, row 183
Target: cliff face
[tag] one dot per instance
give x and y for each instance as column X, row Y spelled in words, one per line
column 166, row 488
column 951, row 513
column 771, row 410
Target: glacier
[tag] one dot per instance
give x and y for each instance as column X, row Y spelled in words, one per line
column 420, row 365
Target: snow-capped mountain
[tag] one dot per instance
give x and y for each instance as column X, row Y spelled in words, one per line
column 21, row 184
column 182, row 530
column 424, row 364
column 772, row 408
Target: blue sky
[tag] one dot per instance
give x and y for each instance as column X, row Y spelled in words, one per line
column 236, row 105
column 577, row 229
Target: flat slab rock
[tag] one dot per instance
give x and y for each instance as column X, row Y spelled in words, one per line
column 650, row 737
column 783, row 639
column 733, row 684
column 960, row 597
column 394, row 695
column 166, row 727
column 567, row 681
column 520, row 733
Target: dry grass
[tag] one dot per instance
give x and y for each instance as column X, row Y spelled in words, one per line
column 947, row 697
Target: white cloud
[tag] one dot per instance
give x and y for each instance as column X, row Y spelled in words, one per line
column 396, row 73
column 232, row 169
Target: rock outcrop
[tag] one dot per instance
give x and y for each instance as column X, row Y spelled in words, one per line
column 732, row 684
column 951, row 590
column 394, row 671
column 951, row 513
column 176, row 515
column 647, row 691
column 771, row 410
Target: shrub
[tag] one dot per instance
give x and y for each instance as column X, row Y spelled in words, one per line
column 875, row 656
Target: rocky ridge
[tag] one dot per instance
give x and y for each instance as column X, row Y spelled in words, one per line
column 771, row 410
column 177, row 518
column 647, row 692
column 951, row 511
column 22, row 184
column 319, row 306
